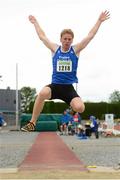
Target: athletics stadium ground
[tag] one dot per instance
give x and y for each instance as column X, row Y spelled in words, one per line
column 47, row 155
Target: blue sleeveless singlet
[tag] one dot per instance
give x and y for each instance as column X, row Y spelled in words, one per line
column 64, row 67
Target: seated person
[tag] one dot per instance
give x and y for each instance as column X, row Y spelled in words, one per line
column 66, row 117
column 94, row 126
column 71, row 129
column 80, row 130
column 87, row 129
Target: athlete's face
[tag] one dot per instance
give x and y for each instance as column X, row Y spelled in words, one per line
column 66, row 41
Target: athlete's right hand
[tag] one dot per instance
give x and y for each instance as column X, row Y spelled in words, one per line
column 32, row 19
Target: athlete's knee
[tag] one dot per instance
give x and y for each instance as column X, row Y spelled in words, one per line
column 45, row 93
column 79, row 108
column 77, row 105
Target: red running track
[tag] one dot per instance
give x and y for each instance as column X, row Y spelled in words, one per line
column 50, row 152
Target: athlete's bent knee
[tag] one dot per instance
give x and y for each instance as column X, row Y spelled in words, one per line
column 45, row 93
column 79, row 108
column 77, row 105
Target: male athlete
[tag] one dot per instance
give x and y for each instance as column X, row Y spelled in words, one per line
column 65, row 61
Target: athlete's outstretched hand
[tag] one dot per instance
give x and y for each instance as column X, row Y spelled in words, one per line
column 32, row 19
column 104, row 16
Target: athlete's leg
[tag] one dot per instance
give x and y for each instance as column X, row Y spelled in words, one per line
column 77, row 105
column 44, row 94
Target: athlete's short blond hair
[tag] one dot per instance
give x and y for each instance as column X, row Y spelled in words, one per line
column 67, row 31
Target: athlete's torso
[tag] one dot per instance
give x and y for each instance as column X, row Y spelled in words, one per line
column 65, row 67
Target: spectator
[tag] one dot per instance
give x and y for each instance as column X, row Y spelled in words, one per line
column 2, row 121
column 66, row 117
column 81, row 130
column 71, row 130
column 76, row 117
column 94, row 126
column 87, row 129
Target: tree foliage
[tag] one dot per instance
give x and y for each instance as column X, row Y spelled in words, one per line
column 115, row 97
column 28, row 95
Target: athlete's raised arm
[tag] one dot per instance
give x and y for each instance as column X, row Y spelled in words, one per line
column 41, row 34
column 102, row 17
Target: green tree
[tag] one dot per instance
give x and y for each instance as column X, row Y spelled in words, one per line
column 28, row 95
column 115, row 97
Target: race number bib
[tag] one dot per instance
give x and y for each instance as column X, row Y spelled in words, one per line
column 64, row 66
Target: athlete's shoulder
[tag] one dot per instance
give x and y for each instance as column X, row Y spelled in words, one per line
column 57, row 49
column 74, row 50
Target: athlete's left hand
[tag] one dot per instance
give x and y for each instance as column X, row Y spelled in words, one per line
column 104, row 16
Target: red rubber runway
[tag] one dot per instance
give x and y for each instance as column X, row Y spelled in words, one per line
column 50, row 152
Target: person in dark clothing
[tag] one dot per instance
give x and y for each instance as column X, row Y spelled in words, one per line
column 94, row 126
